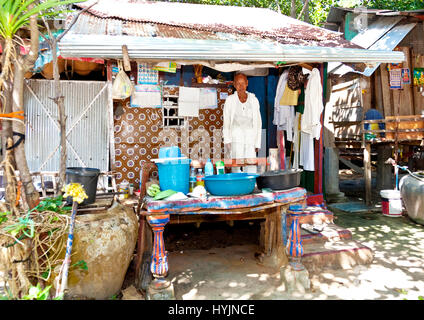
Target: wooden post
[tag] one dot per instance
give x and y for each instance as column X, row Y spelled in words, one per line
column 367, row 172
column 109, row 70
column 126, row 58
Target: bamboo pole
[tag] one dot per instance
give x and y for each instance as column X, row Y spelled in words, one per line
column 64, row 270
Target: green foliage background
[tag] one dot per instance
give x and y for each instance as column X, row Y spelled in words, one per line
column 318, row 9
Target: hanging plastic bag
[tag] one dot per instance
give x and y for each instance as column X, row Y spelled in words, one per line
column 122, row 87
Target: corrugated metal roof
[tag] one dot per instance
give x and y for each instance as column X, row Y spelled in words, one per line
column 387, row 42
column 89, row 24
column 195, row 21
column 181, row 32
column 336, row 14
column 170, row 49
column 375, row 31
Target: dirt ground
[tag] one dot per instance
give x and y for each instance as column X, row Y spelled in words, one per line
column 232, row 272
column 217, row 262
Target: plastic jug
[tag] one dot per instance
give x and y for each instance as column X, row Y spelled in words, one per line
column 208, row 168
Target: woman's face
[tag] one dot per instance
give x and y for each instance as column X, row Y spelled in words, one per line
column 240, row 83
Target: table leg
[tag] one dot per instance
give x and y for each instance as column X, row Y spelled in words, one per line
column 294, row 245
column 159, row 265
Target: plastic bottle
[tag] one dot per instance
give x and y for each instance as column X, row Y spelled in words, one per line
column 192, row 179
column 124, row 188
column 220, row 168
column 208, row 168
column 200, row 178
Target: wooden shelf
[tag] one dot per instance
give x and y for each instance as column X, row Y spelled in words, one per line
column 209, row 85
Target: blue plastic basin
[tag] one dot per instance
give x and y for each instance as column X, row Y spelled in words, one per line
column 231, row 184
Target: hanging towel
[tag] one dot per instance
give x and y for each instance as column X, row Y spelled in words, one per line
column 188, row 102
column 208, row 98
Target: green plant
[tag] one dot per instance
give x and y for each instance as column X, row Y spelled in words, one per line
column 3, row 217
column 24, row 225
column 53, row 204
column 80, row 265
column 37, row 293
column 15, row 15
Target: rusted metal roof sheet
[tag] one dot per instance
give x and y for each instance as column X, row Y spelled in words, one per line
column 195, row 21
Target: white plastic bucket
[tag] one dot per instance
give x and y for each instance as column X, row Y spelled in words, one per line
column 391, row 203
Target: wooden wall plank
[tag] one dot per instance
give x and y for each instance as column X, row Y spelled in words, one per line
column 417, row 61
column 366, row 93
column 385, row 88
column 406, row 106
column 396, row 94
column 378, row 91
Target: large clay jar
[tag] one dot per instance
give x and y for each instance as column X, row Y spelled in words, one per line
column 84, row 68
column 106, row 242
column 47, row 71
column 412, row 193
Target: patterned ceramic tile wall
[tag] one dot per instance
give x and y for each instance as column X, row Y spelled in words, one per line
column 138, row 135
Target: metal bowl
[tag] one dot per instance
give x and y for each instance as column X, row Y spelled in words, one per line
column 279, row 179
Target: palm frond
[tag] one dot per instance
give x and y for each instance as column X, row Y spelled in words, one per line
column 40, row 11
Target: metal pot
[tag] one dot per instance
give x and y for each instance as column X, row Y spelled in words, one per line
column 279, row 179
column 412, row 192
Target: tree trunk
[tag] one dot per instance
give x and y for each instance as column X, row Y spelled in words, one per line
column 304, row 12
column 306, row 16
column 7, row 133
column 31, row 193
column 21, row 67
column 59, row 100
column 293, row 9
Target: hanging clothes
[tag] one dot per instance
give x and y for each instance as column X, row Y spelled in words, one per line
column 290, row 97
column 282, row 147
column 283, row 114
column 306, row 153
column 296, row 141
column 311, row 120
column 310, row 124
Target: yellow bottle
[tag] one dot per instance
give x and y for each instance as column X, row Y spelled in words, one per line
column 200, row 178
